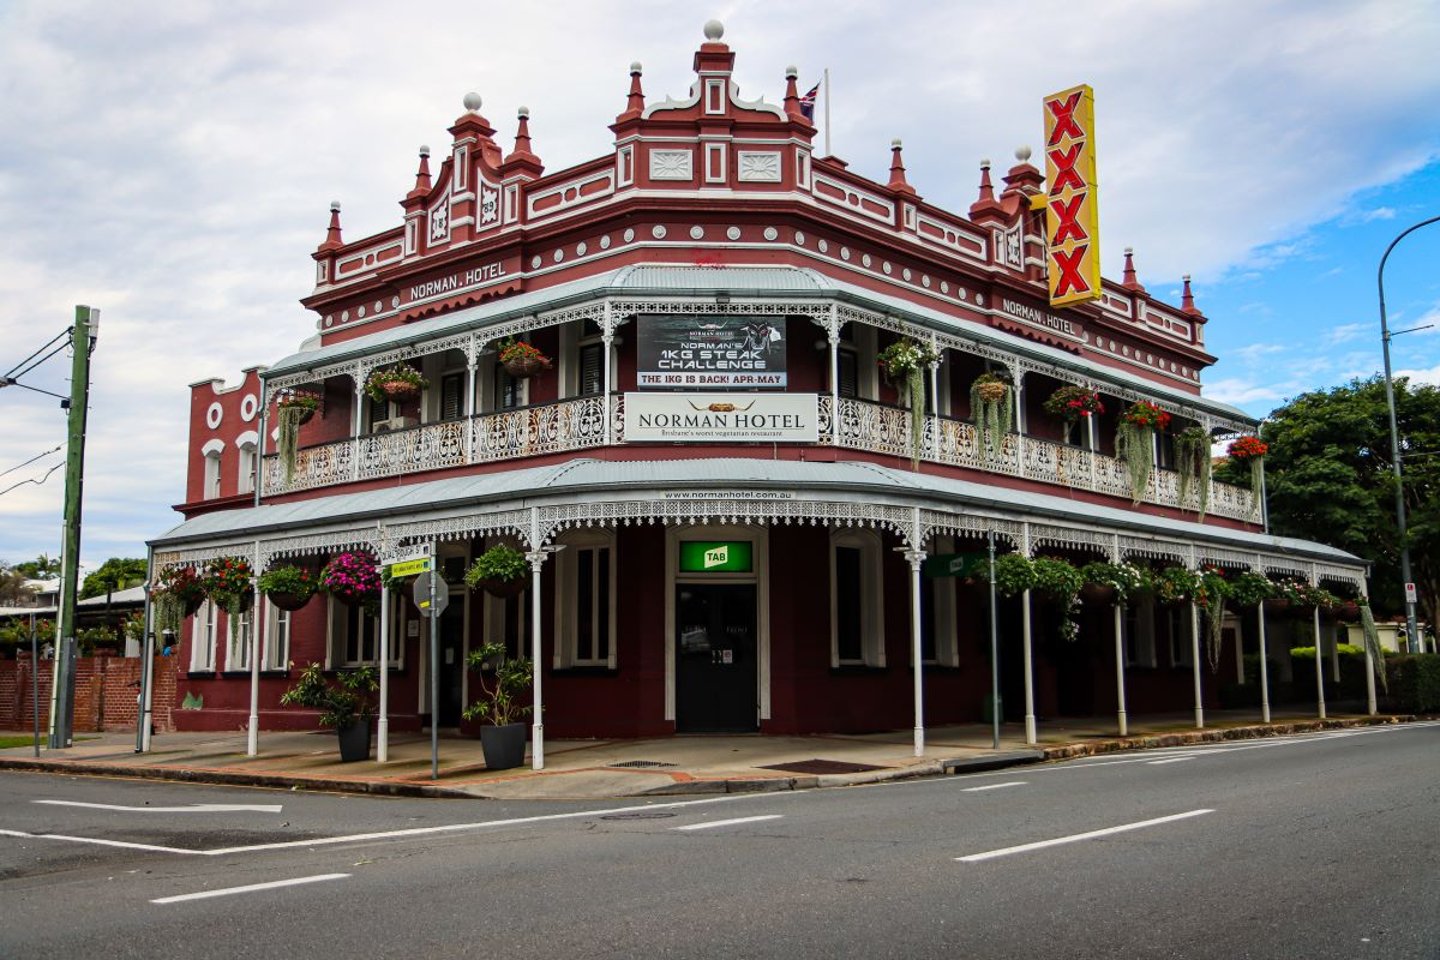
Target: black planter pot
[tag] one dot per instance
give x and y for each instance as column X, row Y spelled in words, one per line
column 287, row 601
column 504, row 588
column 354, row 741
column 504, row 746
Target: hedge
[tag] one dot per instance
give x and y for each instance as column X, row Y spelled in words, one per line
column 1414, row 682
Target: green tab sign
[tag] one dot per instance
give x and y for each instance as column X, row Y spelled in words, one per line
column 950, row 564
column 711, row 556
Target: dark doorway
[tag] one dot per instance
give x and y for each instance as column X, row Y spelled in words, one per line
column 452, row 660
column 715, row 658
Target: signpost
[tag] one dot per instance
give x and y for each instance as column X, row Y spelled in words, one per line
column 432, row 596
column 407, row 566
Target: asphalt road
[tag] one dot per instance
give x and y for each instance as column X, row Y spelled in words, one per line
column 1306, row 847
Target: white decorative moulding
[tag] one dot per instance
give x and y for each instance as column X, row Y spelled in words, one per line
column 671, row 165
column 759, row 166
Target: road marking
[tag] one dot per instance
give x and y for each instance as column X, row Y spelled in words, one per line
column 250, row 888
column 728, row 823
column 995, row 786
column 104, row 843
column 188, row 808
column 1074, row 838
column 1156, row 763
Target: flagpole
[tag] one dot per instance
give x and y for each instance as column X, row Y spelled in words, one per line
column 827, row 113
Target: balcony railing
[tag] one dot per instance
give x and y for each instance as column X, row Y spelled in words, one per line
column 570, row 425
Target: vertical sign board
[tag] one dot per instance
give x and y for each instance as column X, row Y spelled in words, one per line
column 1072, row 223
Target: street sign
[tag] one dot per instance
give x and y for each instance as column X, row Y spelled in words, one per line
column 409, row 566
column 950, row 564
column 432, row 596
column 1411, row 595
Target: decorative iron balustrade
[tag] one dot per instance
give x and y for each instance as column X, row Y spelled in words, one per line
column 579, row 424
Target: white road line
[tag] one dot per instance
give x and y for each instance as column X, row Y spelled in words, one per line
column 995, row 786
column 188, row 808
column 1156, row 763
column 250, row 888
column 1090, row 835
column 728, row 823
column 104, row 843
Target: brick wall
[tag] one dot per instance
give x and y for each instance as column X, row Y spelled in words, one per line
column 105, row 691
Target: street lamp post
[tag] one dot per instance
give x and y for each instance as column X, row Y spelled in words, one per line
column 1411, row 631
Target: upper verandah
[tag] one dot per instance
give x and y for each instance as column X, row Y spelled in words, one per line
column 488, row 224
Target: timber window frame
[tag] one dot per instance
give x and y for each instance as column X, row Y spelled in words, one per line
column 857, row 599
column 586, row 598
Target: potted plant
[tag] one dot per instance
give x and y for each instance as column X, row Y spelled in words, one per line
column 344, row 705
column 1250, row 589
column 229, row 582
column 177, row 594
column 992, row 403
column 1250, row 449
column 502, row 738
column 501, row 571
column 904, row 363
column 1057, row 580
column 1135, row 443
column 1174, row 585
column 1072, row 404
column 522, row 359
column 1192, row 456
column 1014, row 574
column 351, row 578
column 287, row 586
column 293, row 409
column 400, row 382
column 1111, row 582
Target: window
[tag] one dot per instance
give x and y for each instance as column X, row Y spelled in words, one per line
column 212, row 475
column 1178, row 624
column 202, row 638
column 355, row 634
column 277, row 638
column 237, row 646
column 452, row 396
column 1140, row 634
column 246, row 476
column 849, row 377
column 856, row 604
column 376, row 410
column 585, row 602
column 592, row 370
column 509, row 391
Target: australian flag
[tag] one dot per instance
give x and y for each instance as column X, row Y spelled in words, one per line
column 807, row 102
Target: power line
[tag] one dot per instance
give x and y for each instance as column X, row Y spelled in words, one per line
column 32, row 480
column 32, row 460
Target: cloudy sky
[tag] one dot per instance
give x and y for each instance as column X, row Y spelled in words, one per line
column 172, row 163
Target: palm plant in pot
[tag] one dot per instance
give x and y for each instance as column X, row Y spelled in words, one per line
column 344, row 704
column 500, row 571
column 502, row 738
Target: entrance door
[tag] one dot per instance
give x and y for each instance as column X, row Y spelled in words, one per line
column 452, row 660
column 716, row 679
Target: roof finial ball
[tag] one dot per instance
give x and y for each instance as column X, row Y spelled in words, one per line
column 714, row 30
column 334, row 206
column 523, row 113
column 1022, row 153
column 472, row 102
column 792, row 72
column 636, row 67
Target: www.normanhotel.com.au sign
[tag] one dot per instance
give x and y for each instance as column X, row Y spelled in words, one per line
column 720, row 417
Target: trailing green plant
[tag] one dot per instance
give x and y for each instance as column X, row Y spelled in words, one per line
column 292, row 409
column 381, row 385
column 1175, row 584
column 498, row 703
column 500, row 562
column 1248, row 589
column 1126, row 579
column 1058, row 579
column 342, row 703
column 288, row 578
column 904, row 363
column 1014, row 574
column 1135, row 444
column 176, row 589
column 1372, row 642
column 1192, row 461
column 1211, row 594
column 992, row 403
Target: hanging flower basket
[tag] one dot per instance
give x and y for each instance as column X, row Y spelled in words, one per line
column 503, row 588
column 397, row 383
column 1071, row 404
column 522, row 360
column 351, row 578
column 1097, row 593
column 288, row 587
column 992, row 404
column 289, row 602
column 303, row 402
column 501, row 571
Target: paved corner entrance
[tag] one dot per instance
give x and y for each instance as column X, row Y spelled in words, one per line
column 716, row 683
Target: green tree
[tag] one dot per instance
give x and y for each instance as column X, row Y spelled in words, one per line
column 114, row 574
column 1329, row 477
column 13, row 591
column 41, row 568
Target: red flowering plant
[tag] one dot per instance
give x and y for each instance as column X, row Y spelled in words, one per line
column 229, row 582
column 1135, row 443
column 1072, row 403
column 1247, row 448
column 300, row 399
column 1143, row 413
column 519, row 351
column 175, row 594
column 351, row 577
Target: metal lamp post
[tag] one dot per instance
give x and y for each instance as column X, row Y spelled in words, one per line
column 1411, row 631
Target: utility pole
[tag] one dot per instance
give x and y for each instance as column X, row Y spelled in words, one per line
column 62, row 696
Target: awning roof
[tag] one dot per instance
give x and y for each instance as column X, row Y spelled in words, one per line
column 599, row 480
column 738, row 282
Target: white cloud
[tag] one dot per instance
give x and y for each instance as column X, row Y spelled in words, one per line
column 1347, row 332
column 1243, row 393
column 175, row 169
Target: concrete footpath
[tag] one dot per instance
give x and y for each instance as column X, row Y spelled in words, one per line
column 678, row 765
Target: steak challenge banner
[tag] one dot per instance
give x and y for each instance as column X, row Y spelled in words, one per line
column 708, row 353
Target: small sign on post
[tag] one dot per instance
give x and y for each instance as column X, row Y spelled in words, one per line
column 432, row 596
column 410, row 566
column 1411, row 594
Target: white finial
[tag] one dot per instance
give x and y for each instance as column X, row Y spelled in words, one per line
column 791, row 72
column 523, row 113
column 334, row 206
column 985, row 164
column 714, row 30
column 424, row 150
column 472, row 102
column 1022, row 153
column 635, row 66
column 1129, row 251
column 1186, row 278
column 895, row 144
